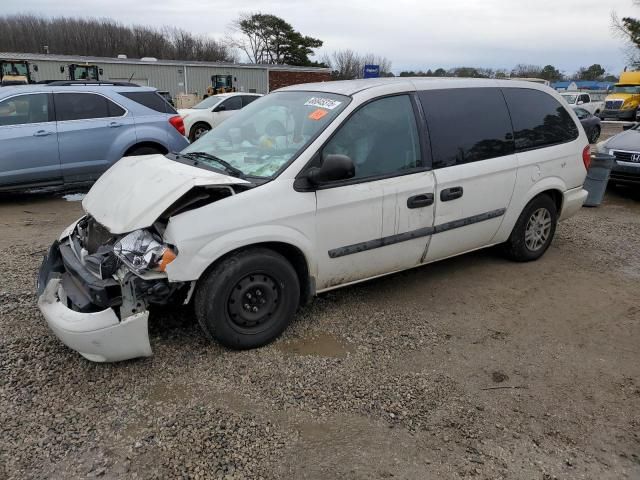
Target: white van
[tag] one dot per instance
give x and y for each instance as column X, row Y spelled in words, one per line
column 307, row 189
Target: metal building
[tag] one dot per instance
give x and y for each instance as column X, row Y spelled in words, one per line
column 175, row 76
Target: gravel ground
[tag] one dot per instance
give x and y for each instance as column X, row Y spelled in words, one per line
column 471, row 367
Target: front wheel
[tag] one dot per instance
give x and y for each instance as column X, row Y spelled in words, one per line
column 248, row 299
column 533, row 231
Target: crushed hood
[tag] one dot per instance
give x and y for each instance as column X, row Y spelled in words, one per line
column 627, row 140
column 135, row 191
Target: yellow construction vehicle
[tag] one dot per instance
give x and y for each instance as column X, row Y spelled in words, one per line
column 16, row 72
column 90, row 73
column 220, row 84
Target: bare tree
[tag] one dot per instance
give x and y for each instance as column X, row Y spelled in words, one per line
column 105, row 38
column 347, row 64
column 523, row 70
column 628, row 29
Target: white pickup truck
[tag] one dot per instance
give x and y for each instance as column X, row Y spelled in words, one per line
column 592, row 102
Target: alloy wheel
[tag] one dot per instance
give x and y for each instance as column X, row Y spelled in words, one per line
column 538, row 229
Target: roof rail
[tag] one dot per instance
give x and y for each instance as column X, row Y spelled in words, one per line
column 68, row 83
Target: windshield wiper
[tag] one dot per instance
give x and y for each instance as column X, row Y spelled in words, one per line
column 226, row 165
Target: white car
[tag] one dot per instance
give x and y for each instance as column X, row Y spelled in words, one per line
column 591, row 102
column 312, row 188
column 212, row 111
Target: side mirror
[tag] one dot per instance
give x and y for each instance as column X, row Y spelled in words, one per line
column 334, row 167
column 35, row 68
column 61, row 69
column 221, row 108
column 100, row 71
column 580, row 102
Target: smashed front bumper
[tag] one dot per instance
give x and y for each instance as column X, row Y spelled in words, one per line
column 99, row 336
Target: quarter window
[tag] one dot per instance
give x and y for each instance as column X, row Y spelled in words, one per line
column 467, row 125
column 25, row 109
column 381, row 138
column 538, row 119
column 150, row 100
column 82, row 106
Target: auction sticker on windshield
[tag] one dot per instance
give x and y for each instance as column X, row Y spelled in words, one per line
column 327, row 103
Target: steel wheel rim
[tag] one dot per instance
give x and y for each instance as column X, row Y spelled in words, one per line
column 538, row 229
column 252, row 301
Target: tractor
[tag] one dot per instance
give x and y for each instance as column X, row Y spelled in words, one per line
column 16, row 72
column 220, row 84
column 81, row 72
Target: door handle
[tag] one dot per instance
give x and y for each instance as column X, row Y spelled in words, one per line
column 42, row 133
column 449, row 194
column 115, row 124
column 419, row 201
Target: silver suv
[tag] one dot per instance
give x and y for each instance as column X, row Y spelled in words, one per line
column 64, row 133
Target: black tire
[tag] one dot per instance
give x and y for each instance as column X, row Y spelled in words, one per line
column 260, row 279
column 595, row 135
column 143, row 151
column 518, row 247
column 198, row 130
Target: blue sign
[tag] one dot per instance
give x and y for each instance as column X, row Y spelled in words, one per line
column 371, row 71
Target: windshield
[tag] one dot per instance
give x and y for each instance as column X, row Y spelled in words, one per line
column 626, row 89
column 14, row 68
column 209, row 102
column 86, row 73
column 570, row 98
column 265, row 135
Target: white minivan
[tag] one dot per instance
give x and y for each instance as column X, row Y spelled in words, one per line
column 307, row 189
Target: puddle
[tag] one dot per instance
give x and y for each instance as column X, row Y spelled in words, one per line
column 175, row 394
column 319, row 345
column 74, row 197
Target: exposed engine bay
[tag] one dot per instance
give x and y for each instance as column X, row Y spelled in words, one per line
column 99, row 270
column 125, row 272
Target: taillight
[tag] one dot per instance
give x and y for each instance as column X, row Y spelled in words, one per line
column 177, row 123
column 586, row 156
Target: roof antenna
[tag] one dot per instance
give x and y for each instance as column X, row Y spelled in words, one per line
column 131, row 76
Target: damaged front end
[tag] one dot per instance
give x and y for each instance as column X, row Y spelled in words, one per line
column 95, row 287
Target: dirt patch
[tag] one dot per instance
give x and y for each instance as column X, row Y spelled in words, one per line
column 471, row 367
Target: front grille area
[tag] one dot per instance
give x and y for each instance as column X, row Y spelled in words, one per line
column 613, row 104
column 626, row 156
column 93, row 235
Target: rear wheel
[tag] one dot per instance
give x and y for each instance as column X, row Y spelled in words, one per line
column 146, row 150
column 595, row 135
column 533, row 231
column 198, row 130
column 248, row 299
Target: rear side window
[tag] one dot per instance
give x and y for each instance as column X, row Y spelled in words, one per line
column 83, row 106
column 150, row 100
column 538, row 119
column 467, row 125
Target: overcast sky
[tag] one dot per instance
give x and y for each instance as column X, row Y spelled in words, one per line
column 413, row 34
